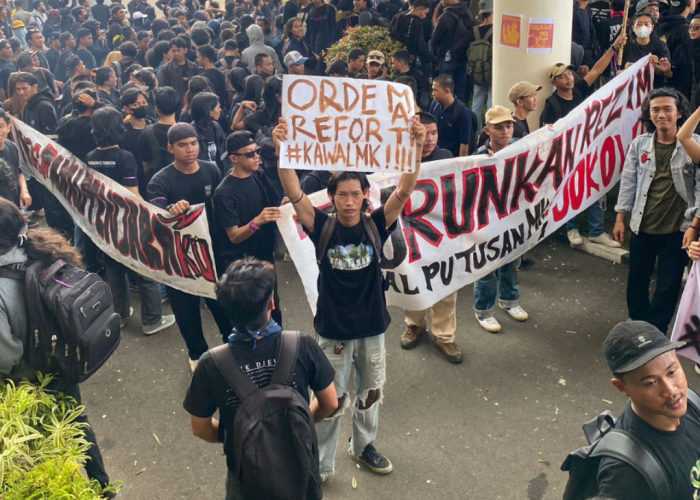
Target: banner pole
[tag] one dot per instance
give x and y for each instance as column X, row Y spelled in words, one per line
column 625, row 18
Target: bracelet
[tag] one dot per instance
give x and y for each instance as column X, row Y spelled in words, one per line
column 396, row 193
column 253, row 227
column 695, row 227
column 300, row 198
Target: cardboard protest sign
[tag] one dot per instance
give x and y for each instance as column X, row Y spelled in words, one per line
column 173, row 250
column 347, row 124
column 469, row 216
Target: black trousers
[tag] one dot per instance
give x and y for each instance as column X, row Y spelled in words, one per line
column 95, row 467
column 188, row 316
column 663, row 251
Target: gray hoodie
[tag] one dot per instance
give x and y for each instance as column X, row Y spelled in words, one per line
column 257, row 46
column 13, row 320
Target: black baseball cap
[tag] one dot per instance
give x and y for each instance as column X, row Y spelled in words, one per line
column 238, row 140
column 632, row 344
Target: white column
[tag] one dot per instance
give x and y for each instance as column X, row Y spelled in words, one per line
column 511, row 66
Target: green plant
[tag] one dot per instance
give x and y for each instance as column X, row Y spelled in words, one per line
column 367, row 38
column 42, row 447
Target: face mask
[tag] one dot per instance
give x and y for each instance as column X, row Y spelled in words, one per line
column 139, row 113
column 642, row 32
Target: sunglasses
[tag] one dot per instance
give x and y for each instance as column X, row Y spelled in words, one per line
column 250, row 154
column 694, row 27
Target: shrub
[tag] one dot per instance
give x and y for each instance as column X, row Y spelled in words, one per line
column 42, row 447
column 367, row 38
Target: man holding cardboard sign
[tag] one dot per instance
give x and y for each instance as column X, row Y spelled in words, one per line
column 349, row 246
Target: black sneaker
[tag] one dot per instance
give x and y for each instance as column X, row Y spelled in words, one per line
column 376, row 462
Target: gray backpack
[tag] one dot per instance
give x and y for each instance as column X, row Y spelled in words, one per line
column 73, row 328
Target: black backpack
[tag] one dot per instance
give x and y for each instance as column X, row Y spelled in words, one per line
column 606, row 441
column 73, row 328
column 329, row 227
column 276, row 452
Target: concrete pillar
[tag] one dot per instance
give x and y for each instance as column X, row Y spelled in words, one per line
column 512, row 66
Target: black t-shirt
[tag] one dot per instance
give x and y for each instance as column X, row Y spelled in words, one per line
column 634, row 51
column 315, row 181
column 236, row 202
column 678, row 452
column 87, row 58
column 218, row 82
column 131, row 142
column 170, row 185
column 520, row 128
column 556, row 108
column 437, row 154
column 351, row 302
column 154, row 148
column 115, row 163
column 209, row 391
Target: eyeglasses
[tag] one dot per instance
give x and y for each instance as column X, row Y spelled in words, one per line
column 249, row 154
column 694, row 27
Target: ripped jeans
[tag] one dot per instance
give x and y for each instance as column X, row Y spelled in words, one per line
column 369, row 357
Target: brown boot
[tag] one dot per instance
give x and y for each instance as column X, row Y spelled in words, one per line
column 409, row 338
column 451, row 351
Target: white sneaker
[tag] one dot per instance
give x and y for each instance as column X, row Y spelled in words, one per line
column 193, row 364
column 122, row 321
column 516, row 312
column 574, row 237
column 697, row 368
column 287, row 257
column 606, row 240
column 324, row 478
column 166, row 321
column 491, row 324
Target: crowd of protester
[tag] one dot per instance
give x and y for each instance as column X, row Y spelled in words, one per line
column 181, row 104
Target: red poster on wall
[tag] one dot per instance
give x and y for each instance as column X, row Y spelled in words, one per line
column 511, row 31
column 540, row 36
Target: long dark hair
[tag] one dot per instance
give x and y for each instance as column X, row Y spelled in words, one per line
column 682, row 105
column 201, row 107
column 271, row 93
column 44, row 244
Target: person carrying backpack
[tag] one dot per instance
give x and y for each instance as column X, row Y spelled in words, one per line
column 20, row 246
column 448, row 39
column 349, row 246
column 653, row 450
column 259, row 382
column 480, row 60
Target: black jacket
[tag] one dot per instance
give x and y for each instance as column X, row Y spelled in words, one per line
column 675, row 30
column 445, row 34
column 40, row 114
column 172, row 75
column 74, row 135
column 115, row 35
column 409, row 30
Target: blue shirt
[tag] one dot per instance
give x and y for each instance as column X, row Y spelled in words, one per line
column 453, row 130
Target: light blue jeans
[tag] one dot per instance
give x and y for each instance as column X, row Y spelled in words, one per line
column 502, row 282
column 596, row 220
column 368, row 355
column 483, row 96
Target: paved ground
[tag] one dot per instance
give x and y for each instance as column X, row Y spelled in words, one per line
column 496, row 427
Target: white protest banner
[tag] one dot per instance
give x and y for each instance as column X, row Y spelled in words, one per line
column 174, row 250
column 347, row 124
column 469, row 216
column 687, row 327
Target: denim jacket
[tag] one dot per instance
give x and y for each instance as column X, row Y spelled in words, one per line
column 638, row 174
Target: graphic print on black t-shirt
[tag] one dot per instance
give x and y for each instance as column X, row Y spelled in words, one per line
column 115, row 163
column 350, row 257
column 350, row 280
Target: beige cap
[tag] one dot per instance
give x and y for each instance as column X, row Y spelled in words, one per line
column 376, row 56
column 560, row 69
column 522, row 89
column 498, row 114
